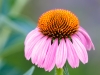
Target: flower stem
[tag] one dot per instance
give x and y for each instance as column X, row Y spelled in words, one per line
column 59, row 71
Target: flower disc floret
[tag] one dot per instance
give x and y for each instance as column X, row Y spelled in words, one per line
column 58, row 23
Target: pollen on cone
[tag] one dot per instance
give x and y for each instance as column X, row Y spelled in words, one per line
column 58, row 23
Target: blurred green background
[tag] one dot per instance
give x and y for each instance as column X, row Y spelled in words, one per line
column 18, row 17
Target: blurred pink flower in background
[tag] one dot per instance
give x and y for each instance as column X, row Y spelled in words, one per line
column 58, row 38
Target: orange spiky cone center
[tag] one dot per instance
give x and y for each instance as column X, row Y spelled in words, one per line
column 58, row 23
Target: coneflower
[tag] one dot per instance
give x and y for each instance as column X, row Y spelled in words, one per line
column 58, row 38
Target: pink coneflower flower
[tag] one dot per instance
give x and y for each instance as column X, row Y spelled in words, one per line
column 58, row 38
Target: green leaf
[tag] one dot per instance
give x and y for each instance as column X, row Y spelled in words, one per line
column 30, row 71
column 65, row 70
column 4, row 35
column 23, row 23
column 6, row 6
column 17, row 7
column 19, row 25
column 20, row 28
column 17, row 59
column 0, row 5
column 6, row 69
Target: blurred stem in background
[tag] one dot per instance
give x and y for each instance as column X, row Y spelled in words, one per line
column 13, row 25
column 17, row 7
column 3, row 38
column 13, row 29
column 0, row 4
column 7, row 24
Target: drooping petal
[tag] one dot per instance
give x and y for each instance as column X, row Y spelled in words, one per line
column 43, row 52
column 83, row 40
column 38, row 46
column 33, row 32
column 65, row 56
column 49, row 62
column 89, row 41
column 73, row 60
column 80, row 50
column 29, row 47
column 61, row 54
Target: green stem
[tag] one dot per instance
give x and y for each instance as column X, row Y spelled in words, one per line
column 59, row 71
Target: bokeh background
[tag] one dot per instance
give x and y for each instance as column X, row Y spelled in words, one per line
column 18, row 17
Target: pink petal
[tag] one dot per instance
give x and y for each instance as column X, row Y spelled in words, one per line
column 80, row 50
column 72, row 56
column 83, row 40
column 43, row 52
column 29, row 47
column 61, row 54
column 38, row 47
column 30, row 34
column 49, row 62
column 32, row 37
column 91, row 45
